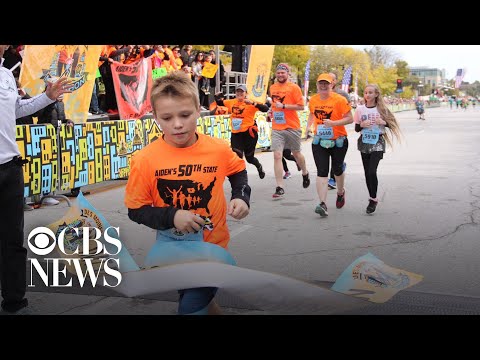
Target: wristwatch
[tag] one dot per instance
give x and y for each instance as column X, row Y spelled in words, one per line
column 284, row 106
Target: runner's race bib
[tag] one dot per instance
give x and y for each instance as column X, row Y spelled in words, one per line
column 279, row 117
column 236, row 123
column 370, row 135
column 175, row 235
column 324, row 132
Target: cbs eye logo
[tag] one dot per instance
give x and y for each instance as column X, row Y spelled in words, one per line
column 39, row 241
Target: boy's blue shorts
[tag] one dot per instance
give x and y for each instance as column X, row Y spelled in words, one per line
column 195, row 301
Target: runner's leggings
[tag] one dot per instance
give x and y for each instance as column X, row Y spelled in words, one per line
column 370, row 165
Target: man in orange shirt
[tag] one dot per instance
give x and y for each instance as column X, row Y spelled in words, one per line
column 287, row 99
column 329, row 112
column 176, row 182
column 244, row 128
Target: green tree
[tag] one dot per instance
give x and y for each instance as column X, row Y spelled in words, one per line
column 402, row 69
column 336, row 59
column 385, row 78
column 296, row 56
column 382, row 55
column 472, row 89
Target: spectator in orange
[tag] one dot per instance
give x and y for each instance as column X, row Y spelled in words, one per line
column 177, row 57
column 134, row 54
column 169, row 59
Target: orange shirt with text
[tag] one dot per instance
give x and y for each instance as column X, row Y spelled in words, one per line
column 333, row 108
column 287, row 93
column 243, row 111
column 188, row 178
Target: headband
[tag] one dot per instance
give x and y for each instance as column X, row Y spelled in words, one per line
column 283, row 67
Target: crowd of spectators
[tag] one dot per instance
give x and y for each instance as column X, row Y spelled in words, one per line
column 171, row 58
column 162, row 56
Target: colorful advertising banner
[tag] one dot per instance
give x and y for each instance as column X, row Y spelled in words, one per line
column 258, row 72
column 47, row 63
column 133, row 84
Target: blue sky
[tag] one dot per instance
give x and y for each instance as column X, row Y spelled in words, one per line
column 448, row 57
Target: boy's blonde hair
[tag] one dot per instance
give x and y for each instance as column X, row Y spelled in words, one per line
column 174, row 84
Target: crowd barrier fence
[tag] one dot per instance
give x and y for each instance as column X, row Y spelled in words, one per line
column 93, row 152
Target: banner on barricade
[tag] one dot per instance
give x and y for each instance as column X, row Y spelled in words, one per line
column 79, row 63
column 133, row 84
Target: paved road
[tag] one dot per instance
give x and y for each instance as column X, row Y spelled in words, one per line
column 427, row 221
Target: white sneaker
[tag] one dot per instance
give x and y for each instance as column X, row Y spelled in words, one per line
column 50, row 202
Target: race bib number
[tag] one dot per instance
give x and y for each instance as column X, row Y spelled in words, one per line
column 175, row 235
column 324, row 132
column 370, row 135
column 279, row 117
column 236, row 123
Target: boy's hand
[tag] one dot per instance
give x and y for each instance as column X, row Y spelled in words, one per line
column 187, row 222
column 237, row 209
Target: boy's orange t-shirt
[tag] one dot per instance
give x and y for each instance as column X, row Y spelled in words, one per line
column 287, row 93
column 188, row 178
column 332, row 108
column 240, row 113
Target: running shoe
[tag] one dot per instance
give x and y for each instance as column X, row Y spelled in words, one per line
column 322, row 209
column 279, row 192
column 332, row 183
column 306, row 180
column 372, row 205
column 261, row 173
column 340, row 200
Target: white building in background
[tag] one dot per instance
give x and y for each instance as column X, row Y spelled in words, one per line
column 429, row 76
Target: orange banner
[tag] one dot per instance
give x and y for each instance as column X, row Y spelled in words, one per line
column 133, row 85
column 42, row 63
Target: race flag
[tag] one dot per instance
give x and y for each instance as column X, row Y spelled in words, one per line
column 347, row 77
column 459, row 78
column 307, row 77
column 259, row 66
column 133, row 84
column 47, row 63
column 307, row 71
